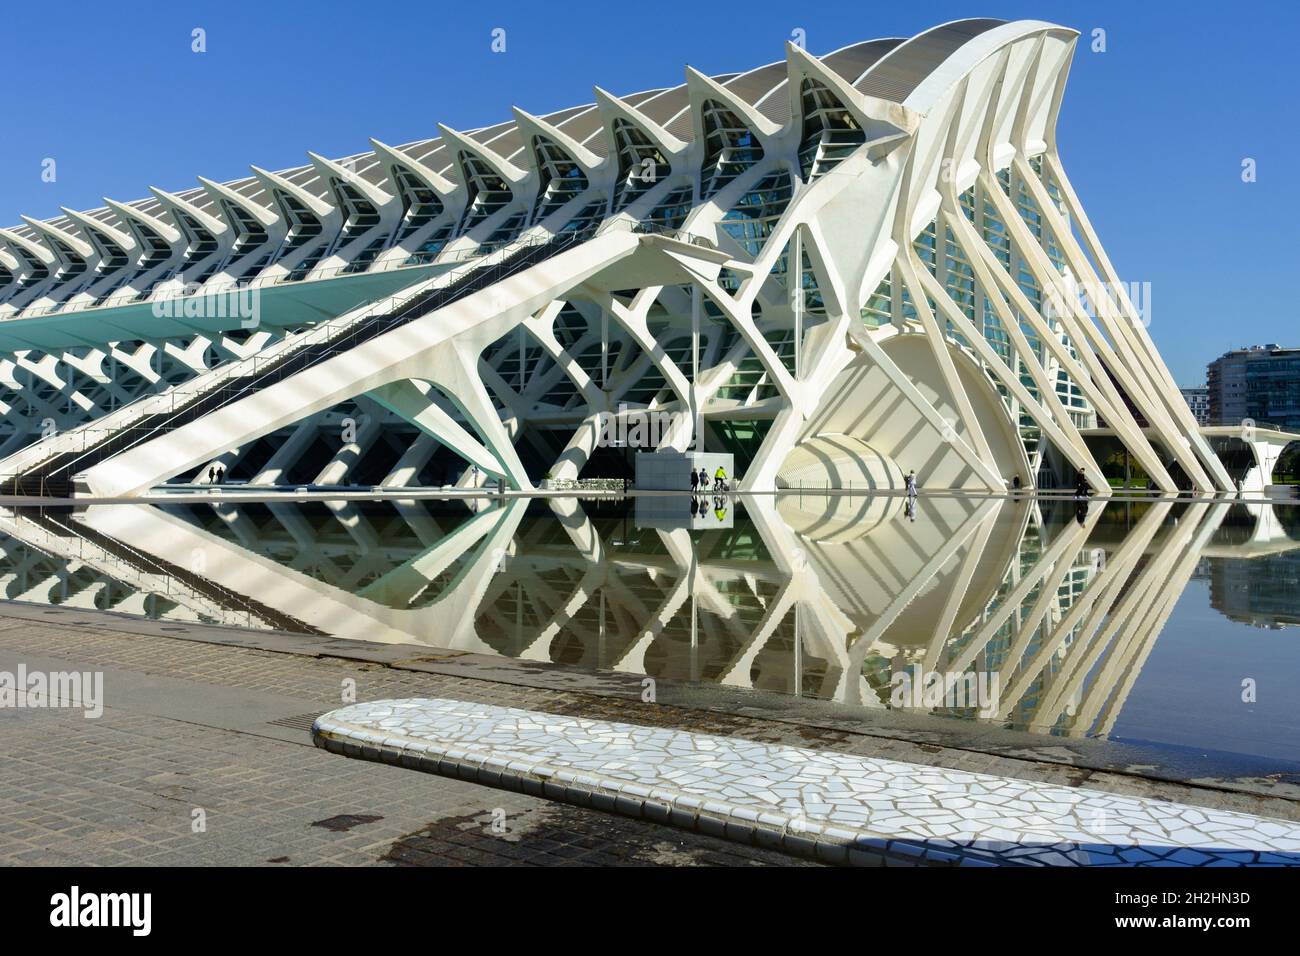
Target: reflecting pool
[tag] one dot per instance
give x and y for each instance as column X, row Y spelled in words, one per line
column 1166, row 623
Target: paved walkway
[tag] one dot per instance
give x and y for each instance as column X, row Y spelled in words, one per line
column 833, row 806
column 203, row 756
column 202, row 717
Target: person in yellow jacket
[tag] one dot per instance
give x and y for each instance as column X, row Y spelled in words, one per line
column 719, row 478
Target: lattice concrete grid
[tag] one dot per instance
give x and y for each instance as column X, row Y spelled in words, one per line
column 836, row 269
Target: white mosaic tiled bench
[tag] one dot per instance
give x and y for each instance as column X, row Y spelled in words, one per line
column 836, row 807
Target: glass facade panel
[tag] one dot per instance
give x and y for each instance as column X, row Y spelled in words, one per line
column 830, row 132
column 730, row 148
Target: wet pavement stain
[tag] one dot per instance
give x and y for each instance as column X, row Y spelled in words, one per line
column 559, row 835
column 345, row 821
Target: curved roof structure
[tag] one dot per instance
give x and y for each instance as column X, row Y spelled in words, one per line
column 887, row 68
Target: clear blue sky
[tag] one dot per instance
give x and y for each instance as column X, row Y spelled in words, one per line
column 1153, row 131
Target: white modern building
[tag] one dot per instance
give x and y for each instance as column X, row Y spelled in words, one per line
column 834, row 268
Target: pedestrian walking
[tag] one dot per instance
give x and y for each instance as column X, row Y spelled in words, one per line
column 212, row 475
column 695, row 481
column 911, row 484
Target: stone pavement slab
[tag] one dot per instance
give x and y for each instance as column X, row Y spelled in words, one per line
column 202, row 757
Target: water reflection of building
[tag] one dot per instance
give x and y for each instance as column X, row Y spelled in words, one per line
column 826, row 597
column 1260, row 591
column 1254, row 567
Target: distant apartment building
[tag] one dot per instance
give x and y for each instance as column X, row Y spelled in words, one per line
column 1260, row 592
column 1260, row 383
column 1197, row 398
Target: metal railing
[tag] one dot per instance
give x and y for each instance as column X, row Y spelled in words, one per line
column 118, row 560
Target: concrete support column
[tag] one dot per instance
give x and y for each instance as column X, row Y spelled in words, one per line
column 404, row 473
